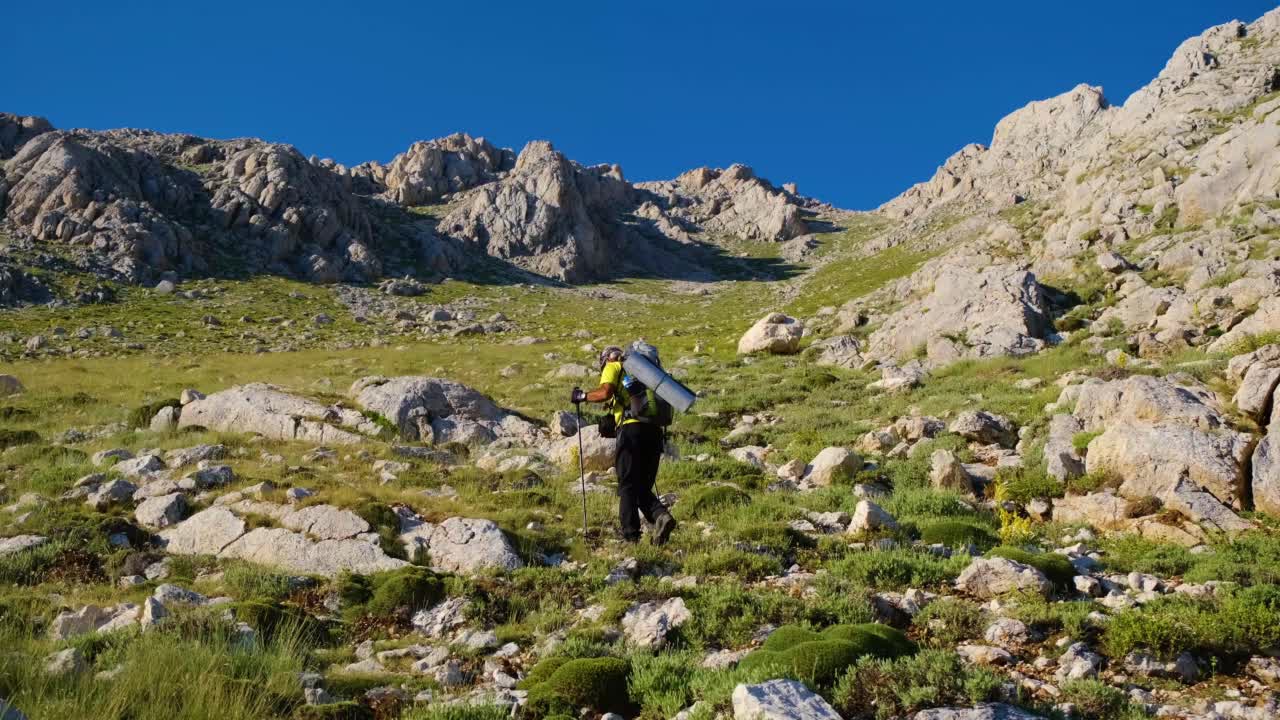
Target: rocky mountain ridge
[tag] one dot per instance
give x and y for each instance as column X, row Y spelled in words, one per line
column 133, row 205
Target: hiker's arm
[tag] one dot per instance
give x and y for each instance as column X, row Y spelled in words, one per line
column 604, row 393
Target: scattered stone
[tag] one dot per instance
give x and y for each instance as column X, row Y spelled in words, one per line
column 648, row 624
column 868, row 516
column 832, row 465
column 66, row 662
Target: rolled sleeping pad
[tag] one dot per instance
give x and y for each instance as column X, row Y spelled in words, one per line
column 663, row 385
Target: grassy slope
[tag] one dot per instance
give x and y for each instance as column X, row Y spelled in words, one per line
column 816, row 407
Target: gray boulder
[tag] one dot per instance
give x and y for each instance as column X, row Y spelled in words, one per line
column 437, row 410
column 460, row 545
column 113, row 492
column 774, row 334
column 19, row 543
column 840, row 351
column 325, row 522
column 268, row 411
column 868, row 516
column 294, row 552
column 597, row 451
column 984, row 427
column 988, row 578
column 165, row 420
column 1159, row 460
column 831, row 465
column 161, row 511
column 205, row 533
column 780, row 700
column 1266, row 473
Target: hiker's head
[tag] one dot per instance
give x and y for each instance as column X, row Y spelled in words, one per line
column 613, row 353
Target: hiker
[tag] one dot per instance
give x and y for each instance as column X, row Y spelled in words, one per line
column 639, row 422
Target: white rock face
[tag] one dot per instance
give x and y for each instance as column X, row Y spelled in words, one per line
column 461, row 545
column 780, row 700
column 997, row 310
column 429, row 170
column 775, row 334
column 270, row 412
column 988, row 578
column 648, row 624
column 563, row 238
column 1266, row 472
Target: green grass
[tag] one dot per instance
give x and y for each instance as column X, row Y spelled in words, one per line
column 191, row 670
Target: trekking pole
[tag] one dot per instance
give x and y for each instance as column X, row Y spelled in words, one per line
column 582, row 469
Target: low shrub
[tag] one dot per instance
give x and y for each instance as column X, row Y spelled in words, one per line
column 1143, row 506
column 948, row 621
column 1026, row 483
column 1238, row 625
column 1096, row 699
column 957, row 533
column 890, row 688
column 899, row 568
column 1056, row 567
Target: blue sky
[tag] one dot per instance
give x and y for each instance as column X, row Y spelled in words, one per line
column 854, row 101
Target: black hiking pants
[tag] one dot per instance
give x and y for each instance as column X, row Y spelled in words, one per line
column 638, row 453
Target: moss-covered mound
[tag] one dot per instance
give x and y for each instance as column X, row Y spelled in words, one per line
column 957, row 533
column 385, row 594
column 819, row 658
column 14, row 438
column 140, row 417
column 706, row 500
column 1056, row 567
column 596, row 683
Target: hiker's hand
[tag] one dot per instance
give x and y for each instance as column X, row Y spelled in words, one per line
column 577, row 395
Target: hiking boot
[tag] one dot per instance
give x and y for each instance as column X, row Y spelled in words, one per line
column 662, row 528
